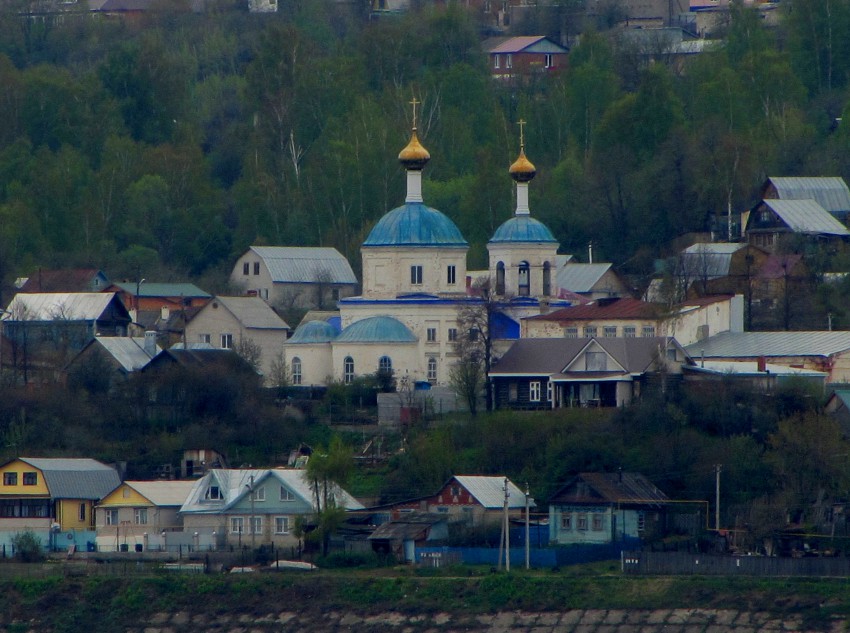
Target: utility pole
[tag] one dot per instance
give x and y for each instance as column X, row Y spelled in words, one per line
column 527, row 529
column 507, row 530
column 717, row 470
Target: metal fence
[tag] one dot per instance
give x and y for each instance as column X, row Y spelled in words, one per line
column 680, row 563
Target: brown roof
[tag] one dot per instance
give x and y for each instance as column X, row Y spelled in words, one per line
column 68, row 280
column 621, row 487
column 517, row 44
column 625, row 308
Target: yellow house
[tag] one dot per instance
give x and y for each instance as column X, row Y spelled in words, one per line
column 52, row 496
column 134, row 515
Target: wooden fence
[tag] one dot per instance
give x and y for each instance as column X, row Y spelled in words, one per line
column 679, row 563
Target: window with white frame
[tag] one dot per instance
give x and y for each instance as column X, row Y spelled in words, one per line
column 509, row 61
column 416, row 275
column 547, row 61
column 286, row 494
column 609, row 331
column 567, row 521
column 496, row 61
column 589, row 331
column 597, row 523
column 237, row 525
column 213, row 493
column 581, row 522
column 571, row 332
column 256, row 525
column 549, row 391
column 451, row 274
column 111, row 517
column 452, row 334
column 385, row 364
column 348, row 370
column 296, row 371
column 534, row 391
column 226, row 341
column 140, row 516
column 648, row 331
column 432, row 369
column 629, row 331
column 281, row 525
column 260, row 493
column 641, row 522
column 204, row 338
column 431, row 334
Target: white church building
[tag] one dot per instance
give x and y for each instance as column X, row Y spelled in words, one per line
column 415, row 284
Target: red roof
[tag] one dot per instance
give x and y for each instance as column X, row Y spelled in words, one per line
column 626, row 308
column 68, row 280
column 517, row 44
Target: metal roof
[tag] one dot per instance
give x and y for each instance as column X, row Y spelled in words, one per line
column 830, row 192
column 313, row 332
column 529, row 44
column 163, row 493
column 64, row 280
column 750, row 368
column 65, row 306
column 624, row 308
column 377, row 329
column 414, row 224
column 523, row 228
column 251, row 312
column 156, row 289
column 622, row 487
column 75, row 478
column 128, row 352
column 709, row 260
column 489, row 491
column 581, row 277
column 234, row 485
column 306, row 264
column 806, row 216
column 753, row 344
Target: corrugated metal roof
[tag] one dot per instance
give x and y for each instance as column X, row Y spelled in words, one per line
column 612, row 488
column 830, row 192
column 753, row 344
column 163, row 493
column 489, row 491
column 377, row 329
column 66, row 306
column 415, row 224
column 523, row 228
column 251, row 312
column 806, row 216
column 708, row 261
column 313, row 332
column 750, row 368
column 155, row 289
column 581, row 277
column 306, row 264
column 129, row 352
column 524, row 42
column 75, row 478
column 234, row 484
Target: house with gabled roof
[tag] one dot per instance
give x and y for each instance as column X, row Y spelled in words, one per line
column 594, row 281
column 771, row 221
column 830, row 192
column 109, row 360
column 295, row 276
column 53, row 497
column 66, row 280
column 546, row 373
column 524, row 56
column 240, row 323
column 133, row 516
column 596, row 508
column 255, row 506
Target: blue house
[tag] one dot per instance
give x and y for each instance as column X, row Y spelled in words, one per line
column 597, row 508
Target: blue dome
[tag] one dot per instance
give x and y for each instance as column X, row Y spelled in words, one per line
column 415, row 224
column 523, row 228
column 314, row 332
column 378, row 329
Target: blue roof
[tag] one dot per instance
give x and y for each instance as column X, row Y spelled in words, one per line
column 378, row 329
column 523, row 228
column 414, row 224
column 314, row 332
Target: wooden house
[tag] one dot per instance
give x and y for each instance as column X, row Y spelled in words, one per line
column 772, row 223
column 523, row 57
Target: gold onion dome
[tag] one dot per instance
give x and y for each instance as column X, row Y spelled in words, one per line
column 414, row 156
column 522, row 169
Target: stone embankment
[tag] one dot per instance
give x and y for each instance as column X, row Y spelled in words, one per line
column 573, row 621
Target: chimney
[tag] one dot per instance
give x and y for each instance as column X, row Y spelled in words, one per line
column 762, row 364
column 150, row 344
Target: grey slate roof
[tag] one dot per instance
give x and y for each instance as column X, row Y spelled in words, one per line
column 156, row 289
column 806, row 216
column 251, row 312
column 489, row 491
column 128, row 352
column 66, row 306
column 830, row 192
column 708, row 261
column 302, row 264
column 754, row 344
column 581, row 277
column 73, row 478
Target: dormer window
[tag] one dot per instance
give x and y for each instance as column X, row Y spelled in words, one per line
column 213, row 493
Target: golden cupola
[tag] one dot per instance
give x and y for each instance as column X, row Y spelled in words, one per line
column 414, row 156
column 522, row 169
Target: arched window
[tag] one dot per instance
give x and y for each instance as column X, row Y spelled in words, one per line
column 523, row 281
column 385, row 364
column 500, row 278
column 432, row 369
column 547, row 279
column 296, row 371
column 348, row 370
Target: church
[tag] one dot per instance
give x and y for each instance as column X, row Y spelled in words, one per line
column 416, row 283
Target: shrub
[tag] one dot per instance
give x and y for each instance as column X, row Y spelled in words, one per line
column 27, row 547
column 348, row 559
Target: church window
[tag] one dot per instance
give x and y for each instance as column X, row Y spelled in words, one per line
column 416, row 275
column 500, row 278
column 432, row 369
column 385, row 364
column 296, row 371
column 451, row 275
column 524, row 283
column 348, row 370
column 547, row 279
